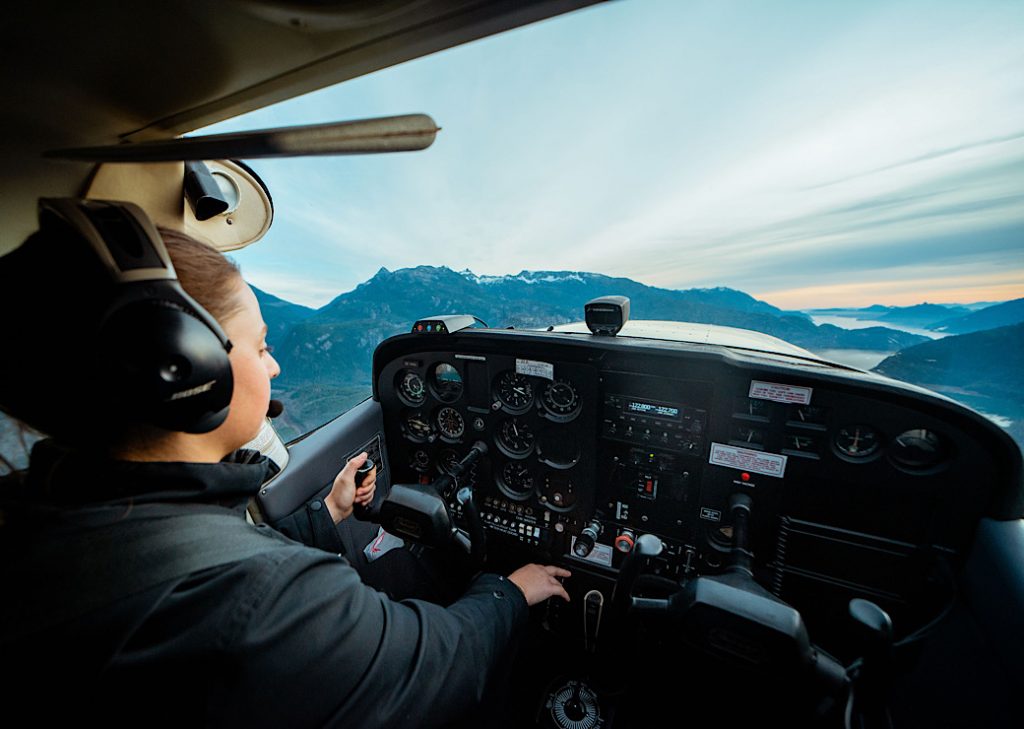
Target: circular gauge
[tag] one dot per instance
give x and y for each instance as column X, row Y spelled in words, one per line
column 450, row 423
column 447, row 382
column 917, row 449
column 419, row 461
column 416, row 426
column 515, row 438
column 410, row 388
column 561, row 400
column 516, row 481
column 447, row 459
column 514, row 391
column 558, row 492
column 857, row 442
column 557, row 449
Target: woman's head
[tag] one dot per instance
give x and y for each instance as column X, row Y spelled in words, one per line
column 216, row 284
column 56, row 291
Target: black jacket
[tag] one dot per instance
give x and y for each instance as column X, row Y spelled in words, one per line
column 288, row 636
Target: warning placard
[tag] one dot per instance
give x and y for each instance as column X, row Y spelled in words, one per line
column 745, row 459
column 535, row 368
column 778, row 392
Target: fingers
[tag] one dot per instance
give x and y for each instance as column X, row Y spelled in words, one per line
column 556, row 571
column 355, row 462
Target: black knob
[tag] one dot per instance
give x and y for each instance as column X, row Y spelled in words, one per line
column 587, row 539
column 360, row 511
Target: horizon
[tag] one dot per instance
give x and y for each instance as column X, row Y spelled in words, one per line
column 812, row 155
column 470, row 273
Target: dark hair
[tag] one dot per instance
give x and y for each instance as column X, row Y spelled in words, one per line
column 58, row 291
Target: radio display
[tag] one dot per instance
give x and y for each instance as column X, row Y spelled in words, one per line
column 653, row 409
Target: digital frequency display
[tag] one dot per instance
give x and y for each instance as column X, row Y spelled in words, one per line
column 650, row 408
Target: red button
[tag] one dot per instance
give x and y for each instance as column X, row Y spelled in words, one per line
column 745, row 476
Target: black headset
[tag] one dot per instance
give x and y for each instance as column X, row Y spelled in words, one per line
column 159, row 356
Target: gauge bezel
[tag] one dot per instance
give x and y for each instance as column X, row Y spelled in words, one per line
column 408, row 434
column 502, row 481
column 504, row 404
column 437, row 391
column 425, row 468
column 555, row 415
column 872, row 455
column 943, row 456
column 553, row 433
column 499, row 440
column 400, row 377
column 444, row 435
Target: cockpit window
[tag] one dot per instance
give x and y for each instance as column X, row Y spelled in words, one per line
column 843, row 177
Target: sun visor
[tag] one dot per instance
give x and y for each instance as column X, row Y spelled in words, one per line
column 159, row 189
column 249, row 212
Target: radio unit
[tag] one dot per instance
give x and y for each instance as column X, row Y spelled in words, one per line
column 651, row 423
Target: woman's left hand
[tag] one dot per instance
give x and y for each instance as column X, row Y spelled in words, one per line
column 344, row 492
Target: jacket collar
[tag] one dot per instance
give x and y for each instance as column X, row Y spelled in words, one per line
column 68, row 477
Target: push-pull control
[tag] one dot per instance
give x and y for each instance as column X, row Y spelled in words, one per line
column 587, row 539
column 625, row 541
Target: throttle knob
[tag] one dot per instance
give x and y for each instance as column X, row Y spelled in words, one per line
column 587, row 539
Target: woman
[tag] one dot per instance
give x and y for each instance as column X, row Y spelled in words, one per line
column 134, row 590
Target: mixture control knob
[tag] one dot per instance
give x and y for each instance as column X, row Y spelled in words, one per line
column 625, row 541
column 587, row 539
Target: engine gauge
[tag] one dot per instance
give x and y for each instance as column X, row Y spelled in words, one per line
column 446, row 382
column 558, row 492
column 801, row 445
column 514, row 392
column 747, row 436
column 807, row 416
column 419, row 461
column 416, row 426
column 515, row 438
column 411, row 389
column 561, row 401
column 516, row 481
column 450, row 423
column 917, row 450
column 857, row 442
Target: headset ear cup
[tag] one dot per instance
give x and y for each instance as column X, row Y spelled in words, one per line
column 164, row 366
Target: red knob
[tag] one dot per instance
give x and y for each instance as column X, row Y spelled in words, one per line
column 624, row 542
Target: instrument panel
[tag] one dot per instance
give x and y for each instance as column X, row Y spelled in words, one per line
column 857, row 482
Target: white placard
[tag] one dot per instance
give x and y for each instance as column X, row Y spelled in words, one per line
column 535, row 368
column 778, row 392
column 745, row 459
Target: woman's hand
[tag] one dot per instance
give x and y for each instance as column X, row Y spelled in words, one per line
column 539, row 582
column 344, row 492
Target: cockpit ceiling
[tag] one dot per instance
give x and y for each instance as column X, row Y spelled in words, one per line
column 83, row 74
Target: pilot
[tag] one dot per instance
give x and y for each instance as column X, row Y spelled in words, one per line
column 135, row 592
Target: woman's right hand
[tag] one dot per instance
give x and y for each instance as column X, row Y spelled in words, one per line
column 539, row 582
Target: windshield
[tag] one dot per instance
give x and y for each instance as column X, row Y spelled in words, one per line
column 845, row 177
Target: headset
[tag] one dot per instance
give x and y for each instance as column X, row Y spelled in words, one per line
column 158, row 357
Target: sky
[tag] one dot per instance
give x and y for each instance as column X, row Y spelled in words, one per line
column 811, row 154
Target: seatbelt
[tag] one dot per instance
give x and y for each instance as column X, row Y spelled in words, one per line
column 97, row 566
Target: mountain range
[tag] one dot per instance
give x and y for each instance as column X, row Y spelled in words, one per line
column 944, row 318
column 326, row 353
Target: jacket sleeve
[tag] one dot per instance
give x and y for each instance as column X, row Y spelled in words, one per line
column 313, row 525
column 312, row 646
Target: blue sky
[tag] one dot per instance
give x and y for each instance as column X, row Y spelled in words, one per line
column 809, row 153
